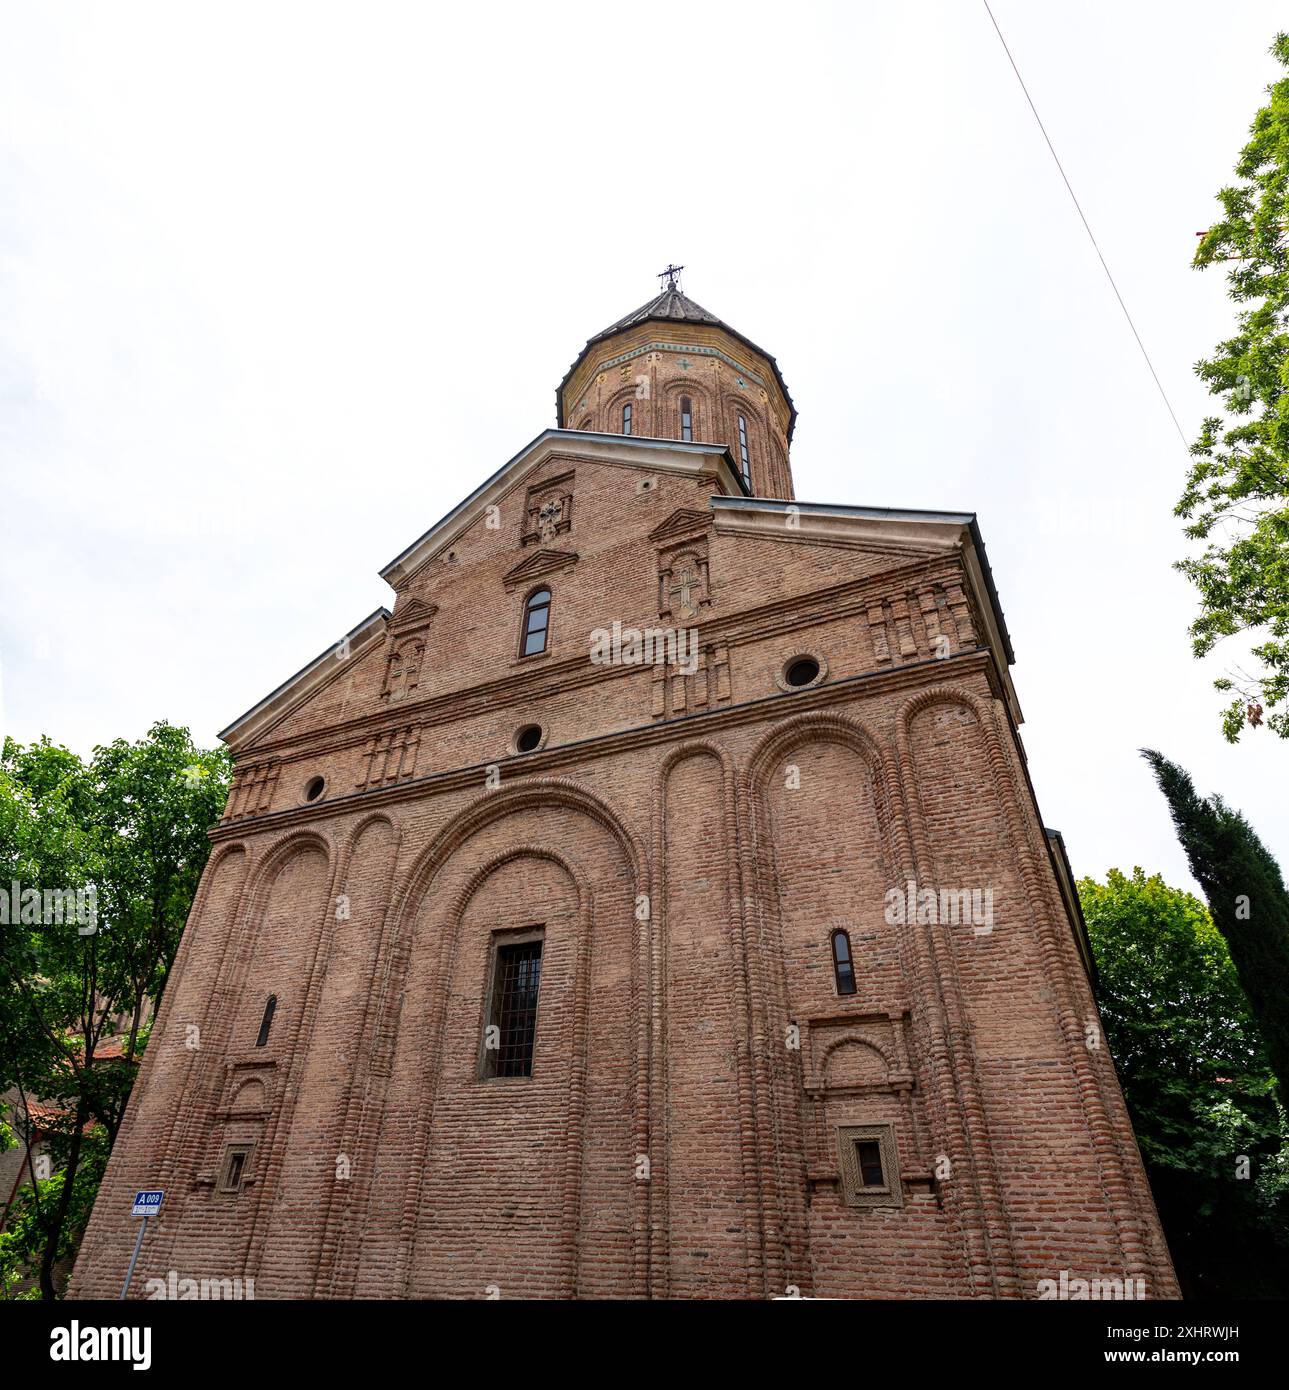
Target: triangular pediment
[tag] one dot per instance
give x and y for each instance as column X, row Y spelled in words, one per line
column 710, row 463
column 539, row 563
column 412, row 614
column 681, row 522
column 331, row 668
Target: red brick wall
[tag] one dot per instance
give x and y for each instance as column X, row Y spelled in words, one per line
column 723, row 379
column 693, row 1060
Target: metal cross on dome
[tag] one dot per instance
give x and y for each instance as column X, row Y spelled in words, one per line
column 672, row 276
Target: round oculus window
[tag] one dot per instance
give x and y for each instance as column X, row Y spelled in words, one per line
column 315, row 789
column 528, row 738
column 801, row 671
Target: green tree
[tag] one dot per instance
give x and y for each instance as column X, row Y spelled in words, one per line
column 1247, row 898
column 155, row 800
column 1237, row 490
column 1196, row 1080
column 46, row 809
column 131, row 823
column 25, row 1236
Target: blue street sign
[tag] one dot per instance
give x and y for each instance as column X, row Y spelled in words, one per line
column 147, row 1203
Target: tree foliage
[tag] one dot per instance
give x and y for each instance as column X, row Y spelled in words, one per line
column 1246, row 896
column 1197, row 1082
column 75, row 999
column 1237, row 490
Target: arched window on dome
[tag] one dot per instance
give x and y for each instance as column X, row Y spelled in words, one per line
column 626, row 418
column 686, row 418
column 843, row 966
column 537, row 615
column 745, row 457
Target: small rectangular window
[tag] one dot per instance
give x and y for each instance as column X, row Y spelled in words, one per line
column 869, row 1154
column 232, row 1172
column 686, row 419
column 869, row 1166
column 511, row 1030
column 626, row 418
column 745, row 458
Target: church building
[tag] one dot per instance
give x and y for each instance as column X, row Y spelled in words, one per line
column 652, row 902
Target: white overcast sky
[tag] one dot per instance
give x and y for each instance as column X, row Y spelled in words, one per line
column 258, row 262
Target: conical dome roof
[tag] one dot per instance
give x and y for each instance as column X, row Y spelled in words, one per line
column 671, row 306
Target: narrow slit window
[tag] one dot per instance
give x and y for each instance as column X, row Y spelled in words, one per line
column 626, row 418
column 512, row 1012
column 686, row 418
column 266, row 1023
column 537, row 615
column 843, row 965
column 745, row 458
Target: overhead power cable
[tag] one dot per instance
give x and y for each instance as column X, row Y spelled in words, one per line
column 1087, row 228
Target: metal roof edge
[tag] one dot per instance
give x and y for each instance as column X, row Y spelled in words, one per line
column 379, row 614
column 967, row 519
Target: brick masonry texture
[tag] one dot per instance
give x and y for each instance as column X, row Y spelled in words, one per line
column 688, row 842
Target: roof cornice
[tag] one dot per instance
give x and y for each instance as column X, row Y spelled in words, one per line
column 892, row 526
column 909, row 676
column 630, row 451
column 324, row 667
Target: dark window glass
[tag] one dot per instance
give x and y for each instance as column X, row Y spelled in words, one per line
column 869, row 1154
column 537, row 612
column 236, row 1162
column 686, row 419
column 626, row 418
column 744, row 457
column 267, row 1021
column 802, row 671
column 516, row 979
column 842, row 965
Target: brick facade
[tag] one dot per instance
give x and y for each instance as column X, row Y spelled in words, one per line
column 687, row 839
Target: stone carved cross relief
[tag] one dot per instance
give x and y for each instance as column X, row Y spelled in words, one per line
column 548, row 520
column 404, row 669
column 681, row 589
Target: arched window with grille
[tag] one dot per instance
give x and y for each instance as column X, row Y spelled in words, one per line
column 843, row 966
column 745, row 456
column 686, row 418
column 537, row 616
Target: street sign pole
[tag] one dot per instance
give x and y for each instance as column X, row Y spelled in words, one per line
column 134, row 1259
column 146, row 1204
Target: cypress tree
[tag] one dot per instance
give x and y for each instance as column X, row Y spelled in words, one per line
column 1247, row 898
